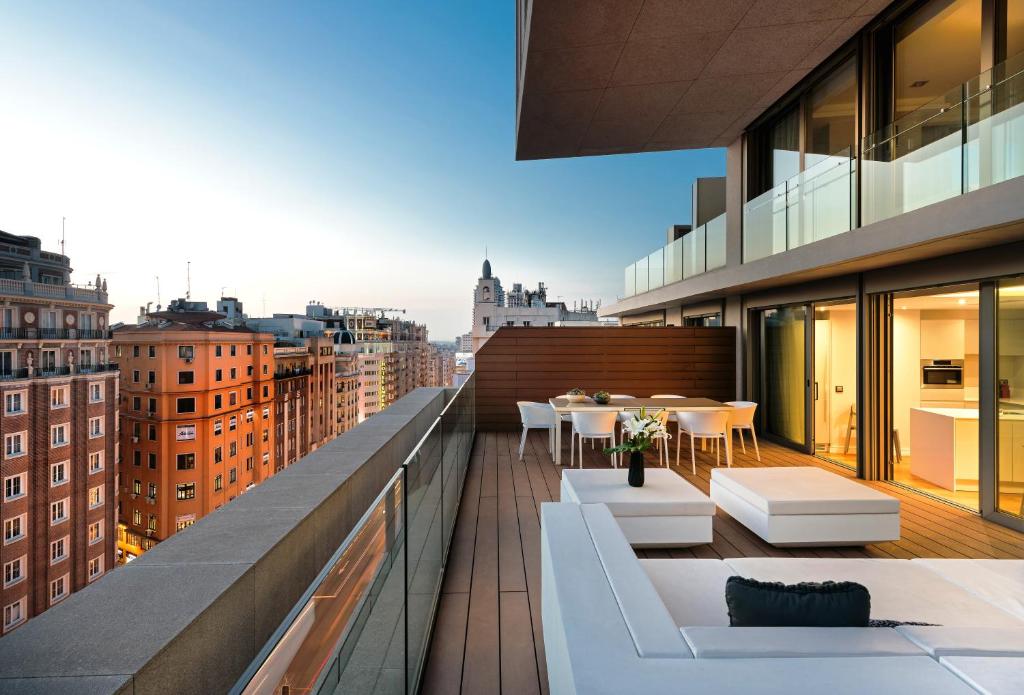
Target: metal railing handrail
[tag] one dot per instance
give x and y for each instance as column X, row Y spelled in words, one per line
column 955, row 97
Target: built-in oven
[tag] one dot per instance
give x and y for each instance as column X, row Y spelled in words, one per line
column 942, row 374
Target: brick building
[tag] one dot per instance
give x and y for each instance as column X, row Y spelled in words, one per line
column 59, row 429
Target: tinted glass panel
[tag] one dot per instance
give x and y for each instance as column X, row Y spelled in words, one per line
column 785, row 372
column 937, row 49
column 785, row 142
column 832, row 115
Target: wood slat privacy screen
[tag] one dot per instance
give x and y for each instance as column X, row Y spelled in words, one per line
column 537, row 363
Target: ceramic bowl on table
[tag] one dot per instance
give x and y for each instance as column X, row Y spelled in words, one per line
column 575, row 397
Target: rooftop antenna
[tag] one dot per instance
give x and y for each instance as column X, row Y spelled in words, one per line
column 188, row 279
column 158, row 304
column 62, row 221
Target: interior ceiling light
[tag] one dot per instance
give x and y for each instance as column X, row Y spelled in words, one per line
column 919, row 83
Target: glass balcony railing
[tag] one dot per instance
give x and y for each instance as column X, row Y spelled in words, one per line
column 698, row 251
column 815, row 204
column 364, row 624
column 970, row 138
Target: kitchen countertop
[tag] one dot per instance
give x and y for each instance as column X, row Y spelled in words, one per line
column 968, row 413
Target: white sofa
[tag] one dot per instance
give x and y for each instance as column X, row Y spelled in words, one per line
column 614, row 623
column 805, row 506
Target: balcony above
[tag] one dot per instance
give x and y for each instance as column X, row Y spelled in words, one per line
column 599, row 77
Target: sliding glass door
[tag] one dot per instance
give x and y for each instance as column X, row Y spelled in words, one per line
column 1010, row 395
column 785, row 385
column 835, row 381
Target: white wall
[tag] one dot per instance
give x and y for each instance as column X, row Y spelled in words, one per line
column 843, row 372
column 906, row 370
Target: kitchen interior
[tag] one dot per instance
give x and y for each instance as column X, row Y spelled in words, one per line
column 935, row 398
column 935, row 382
column 935, row 392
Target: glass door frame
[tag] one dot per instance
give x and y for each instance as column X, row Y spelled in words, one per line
column 760, row 381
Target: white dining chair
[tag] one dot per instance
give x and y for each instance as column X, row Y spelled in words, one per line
column 599, row 425
column 624, row 415
column 672, row 417
column 705, row 425
column 742, row 418
column 537, row 416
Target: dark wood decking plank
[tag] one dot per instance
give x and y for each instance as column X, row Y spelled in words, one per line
column 459, row 571
column 529, row 529
column 481, row 670
column 518, row 657
column 443, row 673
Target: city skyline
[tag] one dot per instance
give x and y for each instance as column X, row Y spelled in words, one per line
column 376, row 138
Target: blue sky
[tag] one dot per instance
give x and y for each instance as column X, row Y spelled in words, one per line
column 352, row 153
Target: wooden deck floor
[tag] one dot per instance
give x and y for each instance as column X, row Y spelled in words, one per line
column 488, row 639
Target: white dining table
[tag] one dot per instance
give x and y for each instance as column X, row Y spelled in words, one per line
column 562, row 405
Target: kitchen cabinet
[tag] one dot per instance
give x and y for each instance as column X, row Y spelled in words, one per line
column 944, row 446
column 942, row 339
column 1011, row 450
column 971, row 337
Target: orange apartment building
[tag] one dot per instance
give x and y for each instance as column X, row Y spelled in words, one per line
column 197, row 421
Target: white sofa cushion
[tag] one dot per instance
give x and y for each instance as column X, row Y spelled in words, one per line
column 648, row 620
column 802, row 490
column 1000, row 582
column 781, row 642
column 941, row 641
column 692, row 590
column 990, row 675
column 664, row 493
column 900, row 590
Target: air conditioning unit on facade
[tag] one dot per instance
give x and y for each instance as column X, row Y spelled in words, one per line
column 135, row 440
column 150, row 532
column 134, row 495
column 188, row 360
column 151, row 500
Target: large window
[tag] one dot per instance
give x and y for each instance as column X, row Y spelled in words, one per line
column 830, row 123
column 937, row 48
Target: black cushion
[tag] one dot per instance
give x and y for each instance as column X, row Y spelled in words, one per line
column 809, row 604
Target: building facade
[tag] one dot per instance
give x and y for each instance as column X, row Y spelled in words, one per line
column 197, row 420
column 346, row 385
column 392, row 354
column 493, row 308
column 59, row 427
column 870, row 249
column 305, row 393
column 304, row 398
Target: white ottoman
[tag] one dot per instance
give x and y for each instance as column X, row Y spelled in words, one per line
column 667, row 512
column 805, row 506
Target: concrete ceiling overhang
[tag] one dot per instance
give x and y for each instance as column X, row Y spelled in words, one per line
column 616, row 76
